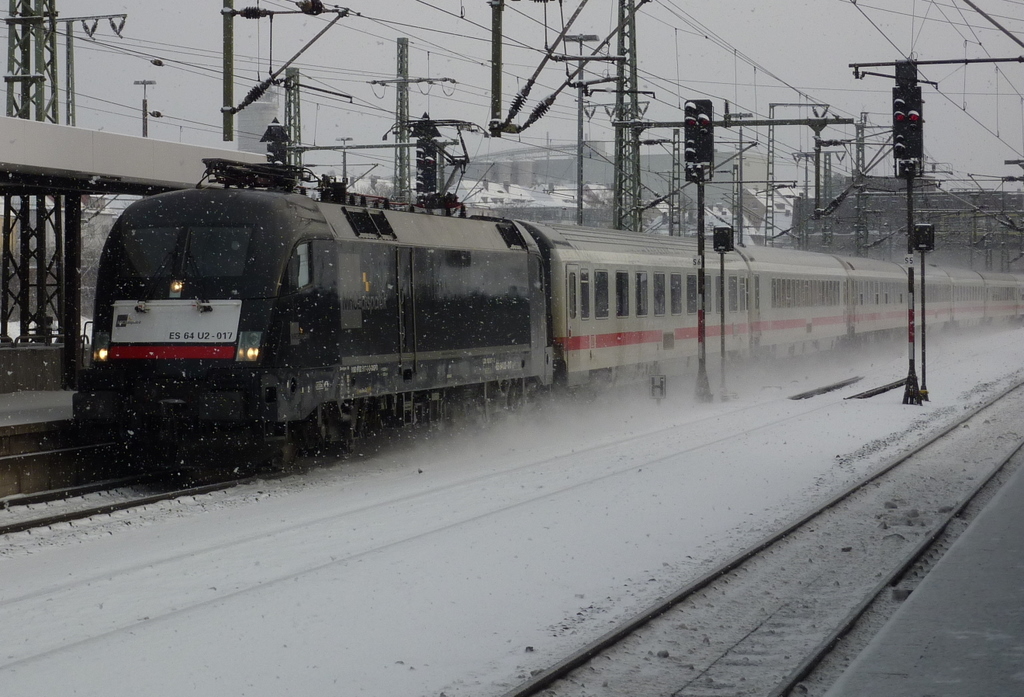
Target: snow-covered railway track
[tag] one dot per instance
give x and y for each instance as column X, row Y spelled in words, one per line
column 79, row 503
column 760, row 622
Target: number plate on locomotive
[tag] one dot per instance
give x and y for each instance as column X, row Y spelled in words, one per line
column 176, row 321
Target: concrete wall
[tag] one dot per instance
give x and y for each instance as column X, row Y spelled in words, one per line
column 33, row 368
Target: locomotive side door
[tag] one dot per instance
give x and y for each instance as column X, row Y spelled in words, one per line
column 406, row 312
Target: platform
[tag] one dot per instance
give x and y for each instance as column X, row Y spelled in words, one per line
column 961, row 632
column 34, row 430
column 25, row 408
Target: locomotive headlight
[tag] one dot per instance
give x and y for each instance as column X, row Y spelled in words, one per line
column 249, row 346
column 176, row 288
column 101, row 347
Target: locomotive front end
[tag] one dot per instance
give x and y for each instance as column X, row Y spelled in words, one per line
column 184, row 303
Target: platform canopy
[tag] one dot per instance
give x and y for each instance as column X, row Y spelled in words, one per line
column 42, row 156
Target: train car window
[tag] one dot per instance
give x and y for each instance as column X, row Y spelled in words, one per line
column 600, row 294
column 691, row 294
column 734, row 294
column 757, row 292
column 572, row 295
column 659, row 293
column 641, row 293
column 621, row 294
column 744, row 294
column 676, row 292
column 298, row 274
column 719, row 301
column 585, row 293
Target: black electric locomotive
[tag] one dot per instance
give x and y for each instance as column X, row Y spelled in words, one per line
column 234, row 321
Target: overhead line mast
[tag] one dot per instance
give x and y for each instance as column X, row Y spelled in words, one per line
column 626, row 211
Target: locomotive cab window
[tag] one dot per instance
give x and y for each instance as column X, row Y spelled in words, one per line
column 298, row 275
column 203, row 252
column 149, row 251
column 217, row 251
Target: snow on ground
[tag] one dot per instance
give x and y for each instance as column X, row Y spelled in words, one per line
column 457, row 563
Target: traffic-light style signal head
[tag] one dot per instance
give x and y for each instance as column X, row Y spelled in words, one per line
column 922, row 239
column 699, row 136
column 722, row 240
column 907, row 129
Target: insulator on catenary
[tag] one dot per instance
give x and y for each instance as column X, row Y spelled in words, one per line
column 253, row 13
column 254, row 94
column 541, row 109
column 517, row 104
column 311, row 7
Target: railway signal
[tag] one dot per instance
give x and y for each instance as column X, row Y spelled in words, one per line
column 923, row 238
column 722, row 242
column 699, row 137
column 907, row 121
column 699, row 162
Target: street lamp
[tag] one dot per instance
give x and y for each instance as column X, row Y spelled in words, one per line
column 145, row 106
column 580, row 89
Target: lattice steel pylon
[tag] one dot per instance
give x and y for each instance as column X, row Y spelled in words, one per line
column 32, row 60
column 293, row 114
column 627, row 211
column 32, row 260
column 403, row 170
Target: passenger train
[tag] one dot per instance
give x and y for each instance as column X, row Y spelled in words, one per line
column 238, row 320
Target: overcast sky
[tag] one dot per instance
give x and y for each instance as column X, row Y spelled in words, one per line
column 751, row 54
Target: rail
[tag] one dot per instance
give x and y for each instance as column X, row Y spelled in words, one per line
column 544, row 679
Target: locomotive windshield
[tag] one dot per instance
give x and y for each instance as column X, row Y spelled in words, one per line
column 197, row 252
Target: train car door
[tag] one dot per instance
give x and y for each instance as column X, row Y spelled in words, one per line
column 850, row 301
column 406, row 312
column 749, row 287
column 573, row 327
